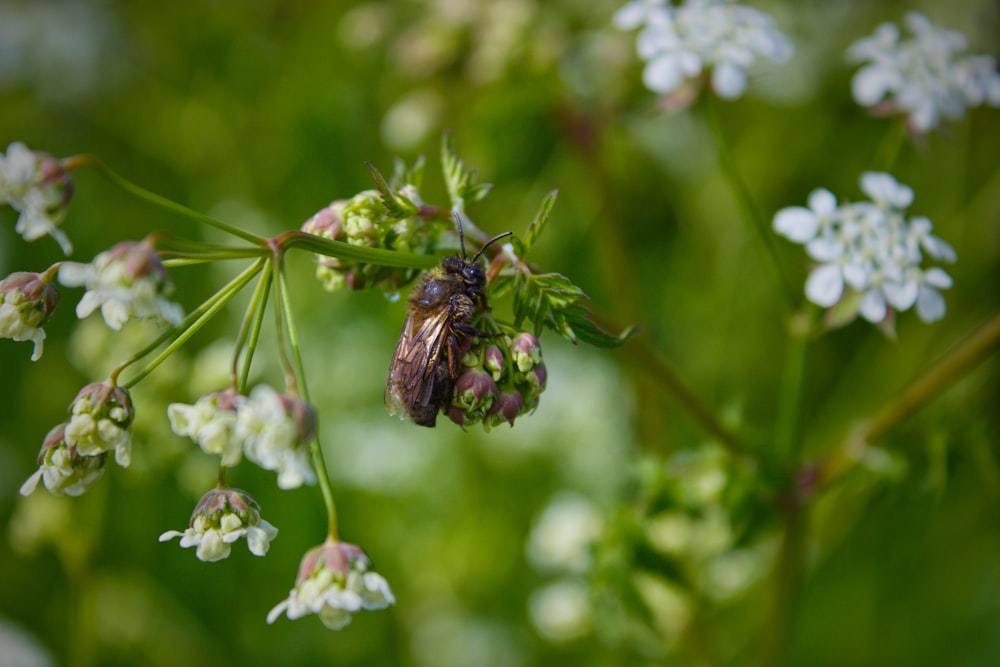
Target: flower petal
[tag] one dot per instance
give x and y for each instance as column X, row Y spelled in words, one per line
column 825, row 285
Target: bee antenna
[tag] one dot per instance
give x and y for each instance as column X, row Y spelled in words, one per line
column 461, row 236
column 488, row 243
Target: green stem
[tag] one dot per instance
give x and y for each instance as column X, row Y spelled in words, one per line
column 973, row 350
column 283, row 305
column 744, row 197
column 787, row 573
column 192, row 323
column 163, row 202
column 251, row 326
column 651, row 364
column 888, row 150
column 341, row 250
column 787, row 441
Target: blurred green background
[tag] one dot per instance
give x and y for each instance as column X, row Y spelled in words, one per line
column 609, row 528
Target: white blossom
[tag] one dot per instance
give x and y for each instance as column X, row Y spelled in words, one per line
column 870, row 248
column 334, row 581
column 27, row 300
column 62, row 469
column 276, row 431
column 101, row 421
column 682, row 42
column 125, row 282
column 222, row 517
column 211, row 422
column 38, row 186
column 564, row 533
column 922, row 77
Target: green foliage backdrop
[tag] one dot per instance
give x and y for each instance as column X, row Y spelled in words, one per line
column 262, row 112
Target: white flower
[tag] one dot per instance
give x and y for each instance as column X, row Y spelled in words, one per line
column 681, row 42
column 101, row 421
column 39, row 187
column 564, row 533
column 211, row 422
column 127, row 281
column 27, row 300
column 561, row 611
column 870, row 248
column 276, row 431
column 221, row 517
column 62, row 469
column 335, row 580
column 922, row 77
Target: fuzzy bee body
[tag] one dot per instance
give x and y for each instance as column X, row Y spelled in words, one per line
column 428, row 355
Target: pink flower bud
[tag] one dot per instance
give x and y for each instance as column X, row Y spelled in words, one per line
column 526, row 352
column 493, row 361
column 475, row 390
column 507, row 408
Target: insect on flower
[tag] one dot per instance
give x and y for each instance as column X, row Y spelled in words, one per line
column 428, row 356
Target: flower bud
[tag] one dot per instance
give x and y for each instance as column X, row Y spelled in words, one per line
column 102, row 421
column 27, row 300
column 475, row 392
column 221, row 517
column 526, row 352
column 493, row 361
column 507, row 407
column 334, row 580
column 62, row 469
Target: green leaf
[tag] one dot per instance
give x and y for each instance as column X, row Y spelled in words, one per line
column 397, row 206
column 536, row 225
column 552, row 301
column 460, row 180
column 403, row 175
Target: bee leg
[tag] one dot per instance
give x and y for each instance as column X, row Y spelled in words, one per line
column 472, row 331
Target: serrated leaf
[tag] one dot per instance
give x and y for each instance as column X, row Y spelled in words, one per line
column 397, row 206
column 459, row 179
column 552, row 301
column 536, row 225
column 403, row 175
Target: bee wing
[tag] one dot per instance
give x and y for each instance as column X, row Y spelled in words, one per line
column 411, row 373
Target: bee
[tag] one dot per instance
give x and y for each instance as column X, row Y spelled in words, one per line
column 428, row 356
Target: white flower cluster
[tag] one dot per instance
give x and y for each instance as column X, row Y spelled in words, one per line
column 73, row 453
column 220, row 518
column 270, row 429
column 27, row 300
column 922, row 77
column 680, row 42
column 335, row 580
column 62, row 469
column 36, row 185
column 871, row 248
column 125, row 282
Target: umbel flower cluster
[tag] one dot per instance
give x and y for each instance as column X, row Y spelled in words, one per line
column 378, row 238
column 682, row 44
column 502, row 378
column 364, row 221
column 870, row 249
column 923, row 78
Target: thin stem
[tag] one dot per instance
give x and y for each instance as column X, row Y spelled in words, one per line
column 933, row 382
column 786, row 436
column 651, row 364
column 744, row 197
column 888, row 150
column 284, row 307
column 192, row 324
column 163, row 202
column 341, row 250
column 251, row 326
column 787, row 573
